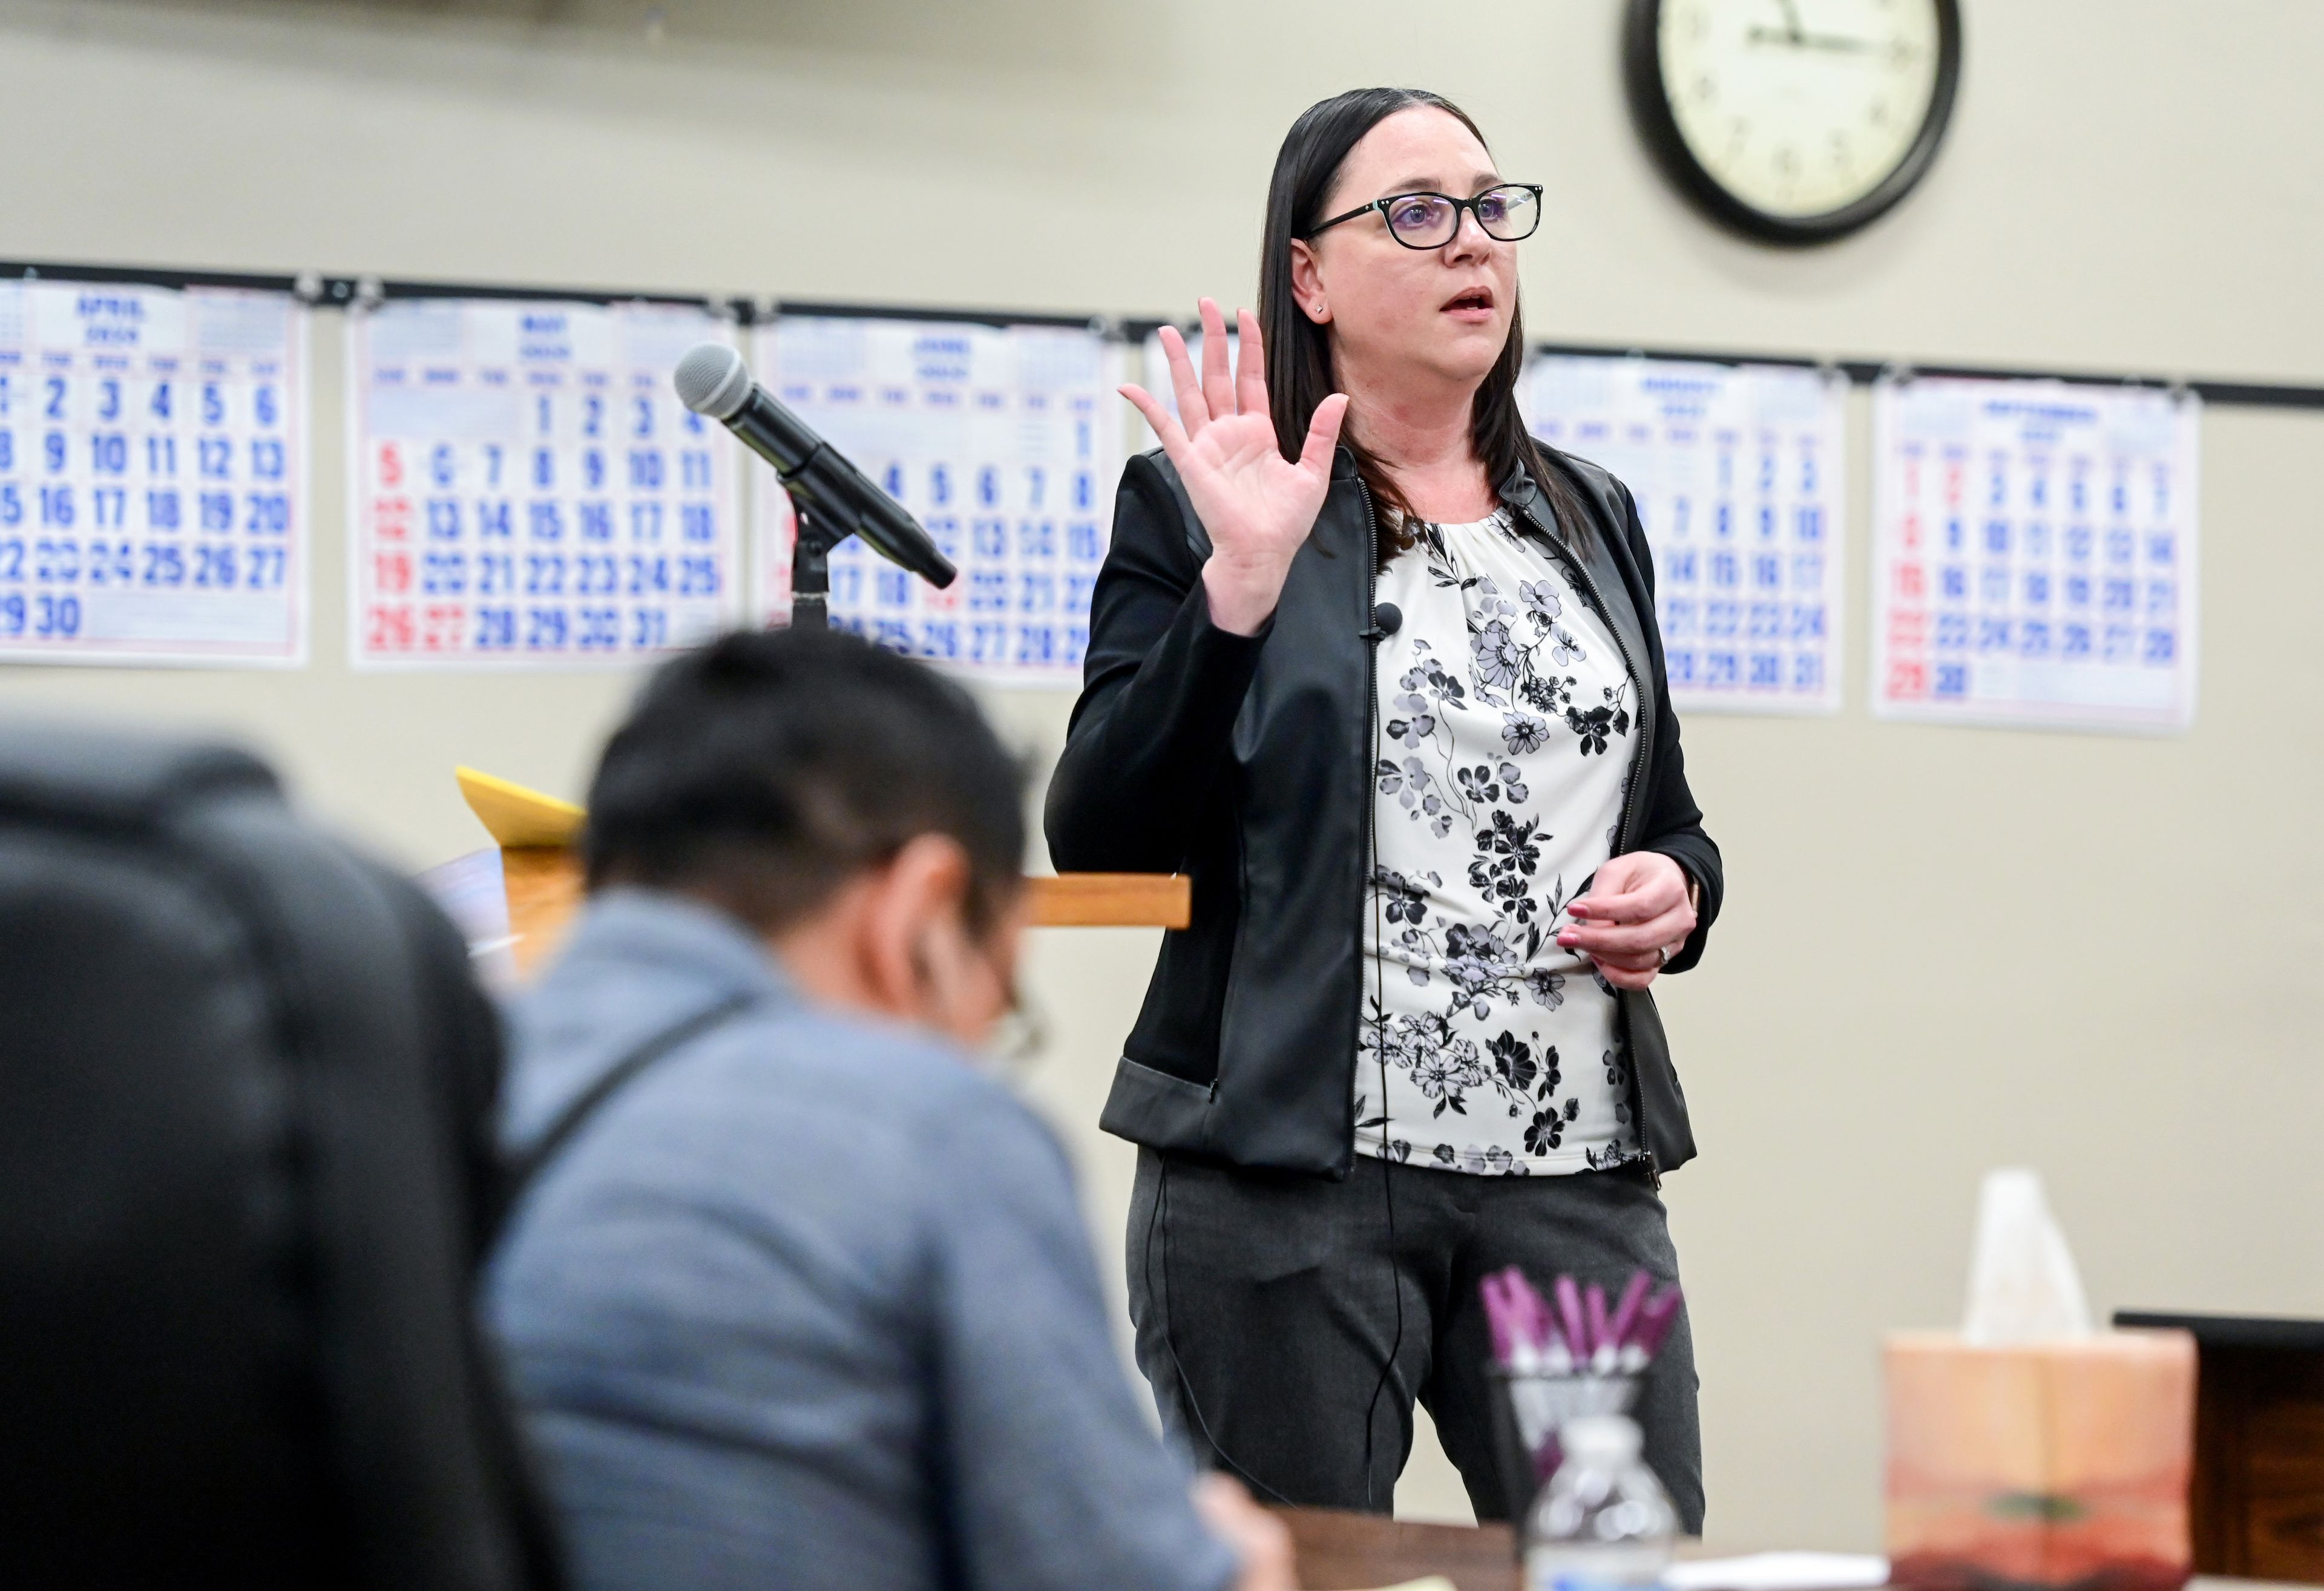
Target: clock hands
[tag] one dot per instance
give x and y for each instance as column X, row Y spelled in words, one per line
column 1831, row 43
column 1794, row 34
column 1813, row 40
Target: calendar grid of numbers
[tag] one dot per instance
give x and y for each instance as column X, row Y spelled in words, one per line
column 1739, row 476
column 527, row 489
column 2036, row 554
column 152, row 474
column 1004, row 442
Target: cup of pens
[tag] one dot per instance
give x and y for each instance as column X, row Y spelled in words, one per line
column 1556, row 1362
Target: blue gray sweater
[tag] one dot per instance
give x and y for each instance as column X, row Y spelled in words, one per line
column 808, row 1304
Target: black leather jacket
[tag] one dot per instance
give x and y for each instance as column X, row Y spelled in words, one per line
column 1247, row 763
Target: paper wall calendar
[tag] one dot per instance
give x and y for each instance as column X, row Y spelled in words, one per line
column 1740, row 475
column 1004, row 442
column 152, row 474
column 2036, row 553
column 526, row 489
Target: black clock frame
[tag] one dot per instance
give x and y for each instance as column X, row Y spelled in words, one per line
column 1658, row 126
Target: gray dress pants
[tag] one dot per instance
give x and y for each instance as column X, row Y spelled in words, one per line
column 1267, row 1306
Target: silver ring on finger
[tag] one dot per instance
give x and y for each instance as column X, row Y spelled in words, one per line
column 1661, row 950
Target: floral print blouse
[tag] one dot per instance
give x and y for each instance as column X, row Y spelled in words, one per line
column 1504, row 714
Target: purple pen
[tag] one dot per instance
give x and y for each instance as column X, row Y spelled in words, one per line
column 1603, row 1350
column 1626, row 1312
column 1569, row 1311
column 1537, row 1315
column 1656, row 1319
column 1524, row 1304
column 1527, row 1305
column 1538, row 1328
column 1500, row 1319
column 1557, row 1354
column 1523, row 1311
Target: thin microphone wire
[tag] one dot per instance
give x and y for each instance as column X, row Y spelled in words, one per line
column 1379, row 1049
column 1159, row 1214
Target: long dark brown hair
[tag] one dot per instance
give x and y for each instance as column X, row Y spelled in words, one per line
column 1299, row 350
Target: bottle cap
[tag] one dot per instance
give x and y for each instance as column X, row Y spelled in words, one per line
column 1600, row 1438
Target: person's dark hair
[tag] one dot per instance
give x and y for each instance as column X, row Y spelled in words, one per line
column 764, row 769
column 1299, row 352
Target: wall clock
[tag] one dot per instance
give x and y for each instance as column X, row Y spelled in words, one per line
column 1797, row 121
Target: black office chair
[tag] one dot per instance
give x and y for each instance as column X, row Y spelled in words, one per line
column 246, row 1087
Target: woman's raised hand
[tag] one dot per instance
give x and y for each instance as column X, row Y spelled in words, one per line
column 1257, row 508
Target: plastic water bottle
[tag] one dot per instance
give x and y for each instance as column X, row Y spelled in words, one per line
column 1603, row 1523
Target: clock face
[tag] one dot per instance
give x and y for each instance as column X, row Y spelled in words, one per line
column 1797, row 119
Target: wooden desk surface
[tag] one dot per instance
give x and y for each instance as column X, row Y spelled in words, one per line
column 1345, row 1552
column 1348, row 1551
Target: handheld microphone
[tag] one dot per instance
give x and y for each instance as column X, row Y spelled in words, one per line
column 713, row 379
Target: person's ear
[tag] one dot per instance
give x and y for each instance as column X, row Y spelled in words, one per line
column 968, row 978
column 978, row 984
column 922, row 889
column 1307, row 283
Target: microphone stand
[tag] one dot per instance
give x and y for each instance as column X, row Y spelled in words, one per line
column 810, row 567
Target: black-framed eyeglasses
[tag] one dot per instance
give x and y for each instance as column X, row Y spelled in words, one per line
column 1508, row 212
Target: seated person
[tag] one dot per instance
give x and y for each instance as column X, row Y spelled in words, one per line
column 795, row 1296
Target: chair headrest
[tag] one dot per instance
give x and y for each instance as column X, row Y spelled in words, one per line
column 72, row 773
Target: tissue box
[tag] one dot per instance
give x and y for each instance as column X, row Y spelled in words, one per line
column 2060, row 1464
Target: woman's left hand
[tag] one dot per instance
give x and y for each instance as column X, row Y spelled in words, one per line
column 1635, row 917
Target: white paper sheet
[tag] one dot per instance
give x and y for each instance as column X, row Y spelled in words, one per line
column 1779, row 1571
column 473, row 891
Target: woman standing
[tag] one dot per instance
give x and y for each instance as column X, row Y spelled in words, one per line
column 1380, row 672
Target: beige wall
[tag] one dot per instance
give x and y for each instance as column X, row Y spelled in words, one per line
column 1943, row 949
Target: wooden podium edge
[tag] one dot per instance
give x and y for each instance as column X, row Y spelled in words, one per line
column 544, row 890
column 1111, row 900
column 541, row 873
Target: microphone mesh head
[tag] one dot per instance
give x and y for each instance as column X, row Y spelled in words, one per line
column 712, row 380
